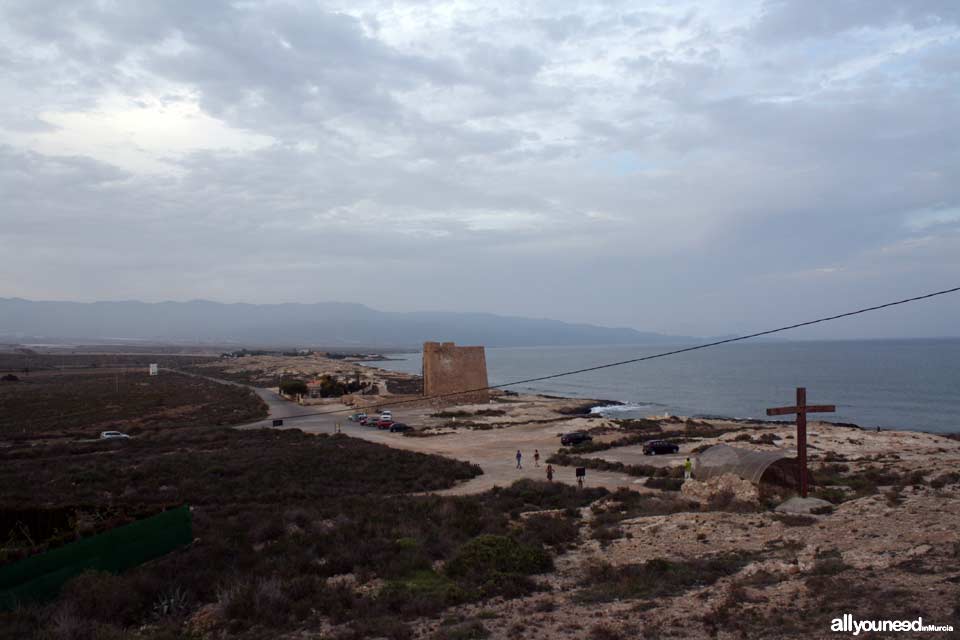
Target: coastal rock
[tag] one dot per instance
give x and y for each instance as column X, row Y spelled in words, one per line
column 727, row 484
column 803, row 505
column 860, row 559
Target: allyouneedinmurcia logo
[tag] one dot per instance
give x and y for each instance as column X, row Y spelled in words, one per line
column 846, row 623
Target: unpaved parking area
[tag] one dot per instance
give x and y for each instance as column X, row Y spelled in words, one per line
column 493, row 449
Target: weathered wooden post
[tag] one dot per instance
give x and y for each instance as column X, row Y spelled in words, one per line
column 801, row 409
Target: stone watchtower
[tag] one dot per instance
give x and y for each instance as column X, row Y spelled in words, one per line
column 448, row 369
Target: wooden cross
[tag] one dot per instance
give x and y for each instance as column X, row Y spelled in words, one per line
column 802, row 409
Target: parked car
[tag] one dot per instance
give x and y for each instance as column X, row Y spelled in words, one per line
column 113, row 435
column 399, row 427
column 574, row 438
column 357, row 417
column 656, row 447
column 384, row 424
column 386, row 415
column 369, row 421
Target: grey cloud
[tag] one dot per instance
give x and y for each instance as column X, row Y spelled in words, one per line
column 513, row 61
column 502, row 166
column 561, row 28
column 785, row 20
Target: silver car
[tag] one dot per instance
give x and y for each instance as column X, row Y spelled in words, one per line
column 113, row 435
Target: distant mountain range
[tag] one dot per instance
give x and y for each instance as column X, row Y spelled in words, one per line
column 323, row 323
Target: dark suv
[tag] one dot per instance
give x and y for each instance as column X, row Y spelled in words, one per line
column 574, row 438
column 655, row 447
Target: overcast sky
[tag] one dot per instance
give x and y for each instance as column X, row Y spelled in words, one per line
column 690, row 168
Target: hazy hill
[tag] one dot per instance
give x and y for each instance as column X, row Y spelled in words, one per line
column 326, row 323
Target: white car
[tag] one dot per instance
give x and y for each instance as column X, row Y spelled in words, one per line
column 113, row 435
column 386, row 415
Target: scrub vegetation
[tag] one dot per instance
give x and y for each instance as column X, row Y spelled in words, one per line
column 292, row 530
column 77, row 404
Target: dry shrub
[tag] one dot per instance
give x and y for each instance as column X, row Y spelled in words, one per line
column 106, row 598
column 377, row 627
column 470, row 630
column 726, row 500
column 605, row 631
column 795, row 520
column 944, row 479
column 658, row 577
column 665, row 484
column 551, row 530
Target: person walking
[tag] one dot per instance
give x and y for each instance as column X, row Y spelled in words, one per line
column 519, row 457
column 536, row 457
column 549, row 473
column 687, row 469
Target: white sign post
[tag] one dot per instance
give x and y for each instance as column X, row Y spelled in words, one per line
column 154, row 370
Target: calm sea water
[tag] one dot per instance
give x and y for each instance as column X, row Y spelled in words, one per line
column 907, row 384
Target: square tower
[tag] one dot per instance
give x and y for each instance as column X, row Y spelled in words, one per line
column 449, row 369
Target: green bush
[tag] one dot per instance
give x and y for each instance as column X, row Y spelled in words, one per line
column 423, row 592
column 490, row 554
column 293, row 387
column 331, row 387
column 492, row 565
column 408, row 557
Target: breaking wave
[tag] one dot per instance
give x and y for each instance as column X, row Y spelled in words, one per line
column 629, row 407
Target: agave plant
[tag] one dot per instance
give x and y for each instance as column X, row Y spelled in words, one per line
column 173, row 602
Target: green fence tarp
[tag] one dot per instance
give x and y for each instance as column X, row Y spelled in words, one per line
column 40, row 577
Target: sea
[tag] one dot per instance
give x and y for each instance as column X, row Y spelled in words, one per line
column 903, row 384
